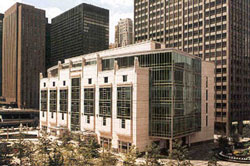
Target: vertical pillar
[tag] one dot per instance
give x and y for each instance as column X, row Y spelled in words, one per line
column 170, row 145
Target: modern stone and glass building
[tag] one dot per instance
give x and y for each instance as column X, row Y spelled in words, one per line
column 80, row 30
column 131, row 95
column 1, row 43
column 124, row 32
column 23, row 54
column 216, row 30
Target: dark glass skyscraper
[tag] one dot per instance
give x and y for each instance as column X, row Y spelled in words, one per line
column 217, row 31
column 80, row 30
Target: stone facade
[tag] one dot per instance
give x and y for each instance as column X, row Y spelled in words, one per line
column 113, row 97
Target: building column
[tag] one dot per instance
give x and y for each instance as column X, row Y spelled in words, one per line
column 170, row 145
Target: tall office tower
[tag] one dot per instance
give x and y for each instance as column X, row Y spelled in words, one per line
column 23, row 54
column 216, row 30
column 1, row 38
column 124, row 32
column 48, row 46
column 80, row 30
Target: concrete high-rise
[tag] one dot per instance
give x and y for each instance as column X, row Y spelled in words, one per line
column 1, row 38
column 80, row 30
column 124, row 32
column 23, row 54
column 216, row 30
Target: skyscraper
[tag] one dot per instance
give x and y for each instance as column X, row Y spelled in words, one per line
column 23, row 54
column 124, row 32
column 217, row 31
column 80, row 30
column 1, row 38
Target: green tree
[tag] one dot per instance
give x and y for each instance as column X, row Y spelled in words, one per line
column 5, row 150
column 56, row 157
column 130, row 157
column 179, row 154
column 43, row 150
column 152, row 155
column 107, row 158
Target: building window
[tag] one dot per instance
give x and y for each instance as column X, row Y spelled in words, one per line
column 44, row 84
column 64, row 101
column 106, row 79
column 64, row 83
column 54, row 84
column 123, row 147
column 206, row 108
column 89, row 81
column 123, row 123
column 105, row 142
column 52, row 115
column 89, row 101
column 206, row 82
column 125, row 78
column 206, row 120
column 53, row 100
column 124, row 102
column 62, row 116
column 104, row 121
column 44, row 98
column 88, row 119
column 105, row 102
column 43, row 113
column 75, row 103
column 206, row 94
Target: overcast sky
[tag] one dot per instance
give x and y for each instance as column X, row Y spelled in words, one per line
column 117, row 8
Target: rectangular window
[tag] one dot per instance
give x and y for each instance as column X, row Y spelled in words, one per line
column 123, row 147
column 105, row 102
column 125, row 78
column 124, row 102
column 123, row 123
column 89, row 81
column 104, row 121
column 105, row 142
column 53, row 100
column 43, row 113
column 106, row 79
column 207, row 95
column 206, row 108
column 75, row 104
column 88, row 119
column 206, row 82
column 62, row 116
column 206, row 120
column 54, row 84
column 64, row 101
column 44, row 98
column 64, row 83
column 52, row 115
column 89, row 101
column 44, row 84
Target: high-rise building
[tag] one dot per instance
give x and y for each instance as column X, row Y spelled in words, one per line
column 23, row 54
column 124, row 32
column 131, row 95
column 80, row 30
column 216, row 30
column 1, row 39
column 48, row 46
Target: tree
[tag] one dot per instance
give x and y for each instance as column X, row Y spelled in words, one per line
column 43, row 149
column 180, row 154
column 55, row 156
column 152, row 155
column 223, row 143
column 130, row 157
column 106, row 158
column 5, row 150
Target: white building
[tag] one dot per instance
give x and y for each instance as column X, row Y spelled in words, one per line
column 123, row 95
column 124, row 32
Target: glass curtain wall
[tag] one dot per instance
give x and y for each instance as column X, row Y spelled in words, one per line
column 75, row 104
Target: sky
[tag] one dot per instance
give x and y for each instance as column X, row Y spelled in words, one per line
column 117, row 9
